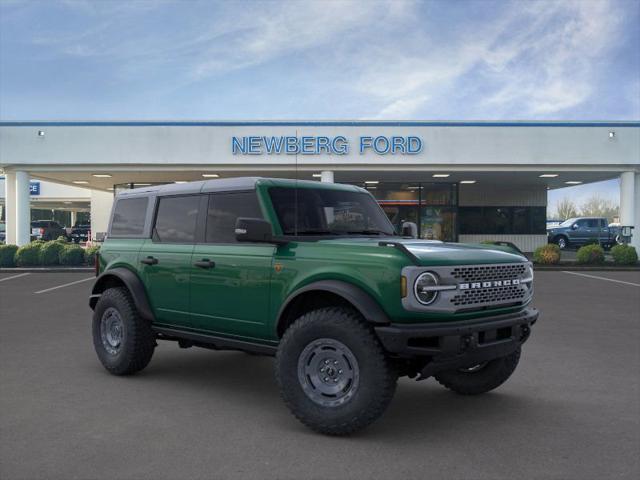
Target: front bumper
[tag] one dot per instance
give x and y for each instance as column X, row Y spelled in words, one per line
column 453, row 345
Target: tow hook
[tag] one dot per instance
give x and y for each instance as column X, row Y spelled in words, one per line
column 469, row 342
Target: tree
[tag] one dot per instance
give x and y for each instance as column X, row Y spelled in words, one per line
column 565, row 209
column 596, row 206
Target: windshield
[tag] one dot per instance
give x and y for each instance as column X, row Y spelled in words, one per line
column 568, row 222
column 328, row 212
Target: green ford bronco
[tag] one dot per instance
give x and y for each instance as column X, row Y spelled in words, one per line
column 314, row 274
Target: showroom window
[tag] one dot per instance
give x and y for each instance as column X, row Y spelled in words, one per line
column 224, row 209
column 502, row 220
column 176, row 219
column 128, row 217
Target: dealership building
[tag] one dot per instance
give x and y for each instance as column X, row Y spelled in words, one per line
column 458, row 181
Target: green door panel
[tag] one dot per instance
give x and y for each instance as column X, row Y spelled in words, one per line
column 233, row 296
column 167, row 282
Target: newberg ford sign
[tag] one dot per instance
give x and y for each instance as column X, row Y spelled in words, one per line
column 312, row 145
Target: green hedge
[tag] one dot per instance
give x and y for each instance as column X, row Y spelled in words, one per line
column 29, row 255
column 50, row 253
column 547, row 254
column 590, row 254
column 624, row 255
column 72, row 255
column 90, row 254
column 8, row 255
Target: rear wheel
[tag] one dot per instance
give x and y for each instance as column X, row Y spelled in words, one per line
column 480, row 378
column 332, row 372
column 123, row 340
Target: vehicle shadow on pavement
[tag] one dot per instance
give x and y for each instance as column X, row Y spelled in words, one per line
column 419, row 409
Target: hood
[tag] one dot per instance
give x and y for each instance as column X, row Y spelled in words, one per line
column 434, row 253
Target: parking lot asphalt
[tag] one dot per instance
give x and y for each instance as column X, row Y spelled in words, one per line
column 570, row 411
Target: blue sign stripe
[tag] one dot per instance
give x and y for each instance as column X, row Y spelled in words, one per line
column 612, row 124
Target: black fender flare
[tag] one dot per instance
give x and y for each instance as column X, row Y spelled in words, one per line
column 361, row 300
column 133, row 284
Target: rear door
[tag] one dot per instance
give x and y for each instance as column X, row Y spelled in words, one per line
column 230, row 281
column 165, row 258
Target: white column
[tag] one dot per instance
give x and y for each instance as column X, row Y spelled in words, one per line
column 101, row 203
column 326, row 176
column 628, row 203
column 74, row 215
column 23, row 209
column 10, row 206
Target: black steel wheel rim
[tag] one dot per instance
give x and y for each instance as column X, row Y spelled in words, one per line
column 328, row 372
column 111, row 330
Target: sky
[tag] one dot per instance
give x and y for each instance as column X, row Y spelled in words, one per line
column 387, row 60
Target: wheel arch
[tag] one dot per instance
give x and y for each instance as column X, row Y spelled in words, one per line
column 123, row 277
column 328, row 293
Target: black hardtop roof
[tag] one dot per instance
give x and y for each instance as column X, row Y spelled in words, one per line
column 229, row 184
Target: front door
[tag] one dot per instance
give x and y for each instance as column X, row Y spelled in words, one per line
column 165, row 259
column 230, row 281
column 580, row 232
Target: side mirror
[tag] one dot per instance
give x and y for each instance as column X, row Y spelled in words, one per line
column 574, row 226
column 409, row 229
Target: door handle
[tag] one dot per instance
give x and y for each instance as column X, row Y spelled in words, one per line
column 149, row 260
column 205, row 263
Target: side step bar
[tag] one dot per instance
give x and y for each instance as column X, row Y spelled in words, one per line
column 213, row 341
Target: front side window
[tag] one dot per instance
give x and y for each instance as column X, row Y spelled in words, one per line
column 315, row 211
column 128, row 216
column 224, row 210
column 176, row 219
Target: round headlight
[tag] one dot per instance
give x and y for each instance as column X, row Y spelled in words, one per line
column 422, row 288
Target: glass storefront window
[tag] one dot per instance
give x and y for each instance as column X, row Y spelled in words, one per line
column 431, row 206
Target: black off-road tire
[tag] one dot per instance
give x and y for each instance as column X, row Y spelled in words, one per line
column 485, row 379
column 376, row 381
column 137, row 341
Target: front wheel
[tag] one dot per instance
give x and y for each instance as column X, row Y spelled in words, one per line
column 480, row 378
column 562, row 242
column 332, row 372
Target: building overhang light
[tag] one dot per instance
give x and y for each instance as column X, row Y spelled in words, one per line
column 372, row 182
column 573, row 182
column 317, row 175
column 441, row 175
column 468, row 181
column 179, row 181
column 141, row 184
column 101, row 175
column 80, row 182
column 210, row 175
column 549, row 175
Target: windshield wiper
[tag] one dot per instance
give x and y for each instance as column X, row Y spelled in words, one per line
column 311, row 231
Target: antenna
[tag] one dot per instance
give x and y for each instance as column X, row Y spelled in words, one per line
column 295, row 200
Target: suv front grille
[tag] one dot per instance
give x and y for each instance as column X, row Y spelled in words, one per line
column 490, row 295
column 478, row 273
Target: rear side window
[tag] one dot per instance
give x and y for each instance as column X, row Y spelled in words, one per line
column 224, row 210
column 128, row 216
column 176, row 219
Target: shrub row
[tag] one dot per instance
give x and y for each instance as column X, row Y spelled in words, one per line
column 38, row 252
column 547, row 254
column 624, row 255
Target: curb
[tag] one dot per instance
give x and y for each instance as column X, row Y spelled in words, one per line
column 46, row 269
column 585, row 268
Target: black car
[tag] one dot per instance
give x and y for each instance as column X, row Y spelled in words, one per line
column 47, row 230
column 80, row 232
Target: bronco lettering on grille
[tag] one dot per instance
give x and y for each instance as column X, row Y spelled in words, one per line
column 489, row 284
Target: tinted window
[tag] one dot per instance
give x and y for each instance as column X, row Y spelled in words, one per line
column 593, row 223
column 176, row 219
column 502, row 220
column 317, row 211
column 224, row 210
column 582, row 223
column 128, row 216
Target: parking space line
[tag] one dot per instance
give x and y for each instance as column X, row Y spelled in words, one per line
column 65, row 285
column 602, row 278
column 12, row 277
